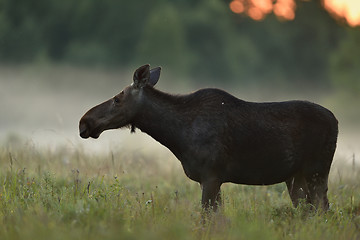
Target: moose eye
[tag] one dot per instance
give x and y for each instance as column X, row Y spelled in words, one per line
column 116, row 99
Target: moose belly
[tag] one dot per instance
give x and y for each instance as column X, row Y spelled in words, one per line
column 263, row 162
column 265, row 171
column 259, row 172
column 253, row 164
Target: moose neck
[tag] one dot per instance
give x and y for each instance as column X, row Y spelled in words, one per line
column 162, row 117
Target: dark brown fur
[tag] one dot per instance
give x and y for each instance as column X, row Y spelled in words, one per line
column 219, row 138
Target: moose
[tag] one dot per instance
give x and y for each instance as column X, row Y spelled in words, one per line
column 219, row 138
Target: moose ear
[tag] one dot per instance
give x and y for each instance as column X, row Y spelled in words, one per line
column 154, row 76
column 141, row 76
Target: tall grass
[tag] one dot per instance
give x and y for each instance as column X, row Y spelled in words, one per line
column 71, row 194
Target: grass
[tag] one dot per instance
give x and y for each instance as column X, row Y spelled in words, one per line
column 71, row 194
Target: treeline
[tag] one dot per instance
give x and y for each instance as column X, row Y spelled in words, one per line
column 198, row 38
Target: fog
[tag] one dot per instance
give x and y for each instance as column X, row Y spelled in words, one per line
column 41, row 106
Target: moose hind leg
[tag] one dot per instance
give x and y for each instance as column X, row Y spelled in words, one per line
column 298, row 189
column 318, row 187
column 317, row 176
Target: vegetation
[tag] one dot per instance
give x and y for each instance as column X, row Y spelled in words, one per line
column 68, row 194
column 202, row 39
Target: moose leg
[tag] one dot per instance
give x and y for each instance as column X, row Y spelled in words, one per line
column 298, row 189
column 318, row 187
column 211, row 197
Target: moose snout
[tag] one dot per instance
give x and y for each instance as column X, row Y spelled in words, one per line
column 83, row 129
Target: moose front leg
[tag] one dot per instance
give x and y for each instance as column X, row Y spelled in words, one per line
column 211, row 196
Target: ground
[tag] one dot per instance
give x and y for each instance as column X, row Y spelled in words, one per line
column 64, row 193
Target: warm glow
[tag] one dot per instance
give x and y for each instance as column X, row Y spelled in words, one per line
column 285, row 9
column 348, row 9
column 255, row 13
column 237, row 6
column 258, row 9
column 265, row 6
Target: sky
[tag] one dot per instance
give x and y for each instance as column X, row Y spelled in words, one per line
column 285, row 9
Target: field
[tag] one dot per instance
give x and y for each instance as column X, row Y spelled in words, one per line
column 53, row 187
column 68, row 193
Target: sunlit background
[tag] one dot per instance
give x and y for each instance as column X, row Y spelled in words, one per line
column 59, row 58
column 347, row 10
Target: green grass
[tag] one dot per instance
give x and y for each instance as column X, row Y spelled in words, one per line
column 70, row 194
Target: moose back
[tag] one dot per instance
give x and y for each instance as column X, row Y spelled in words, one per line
column 219, row 138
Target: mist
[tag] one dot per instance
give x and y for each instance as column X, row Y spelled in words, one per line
column 42, row 105
column 58, row 59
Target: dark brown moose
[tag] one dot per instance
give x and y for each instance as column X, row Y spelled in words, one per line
column 219, row 138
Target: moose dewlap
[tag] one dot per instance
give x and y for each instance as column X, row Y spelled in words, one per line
column 219, row 138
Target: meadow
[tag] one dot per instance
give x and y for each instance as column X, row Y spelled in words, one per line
column 70, row 193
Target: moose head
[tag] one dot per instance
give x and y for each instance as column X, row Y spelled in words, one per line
column 120, row 110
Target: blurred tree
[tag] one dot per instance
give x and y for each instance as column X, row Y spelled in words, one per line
column 293, row 51
column 107, row 31
column 202, row 39
column 210, row 37
column 345, row 63
column 311, row 44
column 84, row 48
column 122, row 26
column 163, row 40
column 57, row 27
column 20, row 37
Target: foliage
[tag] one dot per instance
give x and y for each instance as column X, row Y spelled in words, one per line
column 67, row 194
column 345, row 62
column 201, row 39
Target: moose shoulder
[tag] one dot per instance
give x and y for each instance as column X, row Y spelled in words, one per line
column 219, row 138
